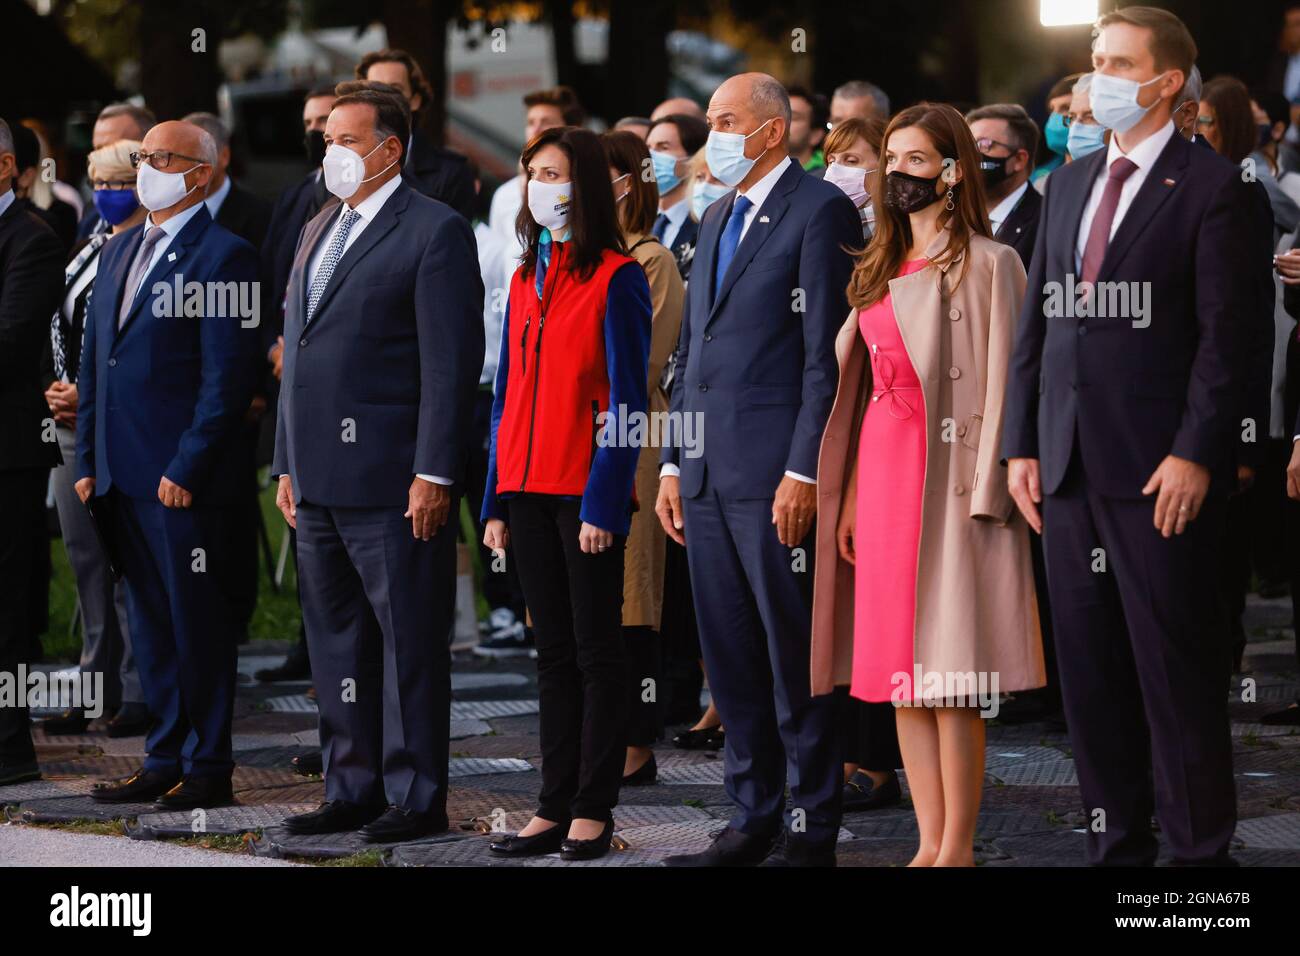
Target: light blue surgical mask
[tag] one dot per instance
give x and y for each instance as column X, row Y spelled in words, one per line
column 725, row 154
column 705, row 195
column 1115, row 101
column 1085, row 138
column 665, row 169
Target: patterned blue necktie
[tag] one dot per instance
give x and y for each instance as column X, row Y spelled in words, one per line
column 332, row 256
column 660, row 227
column 729, row 241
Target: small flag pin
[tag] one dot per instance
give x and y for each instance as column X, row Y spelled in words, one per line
column 171, row 257
column 1169, row 182
column 763, row 219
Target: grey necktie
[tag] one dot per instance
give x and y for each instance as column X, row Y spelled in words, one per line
column 332, row 256
column 139, row 269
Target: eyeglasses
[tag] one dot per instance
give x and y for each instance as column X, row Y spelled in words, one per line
column 161, row 159
column 1087, row 119
column 111, row 184
column 984, row 144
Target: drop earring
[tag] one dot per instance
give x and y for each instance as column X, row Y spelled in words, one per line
column 949, row 205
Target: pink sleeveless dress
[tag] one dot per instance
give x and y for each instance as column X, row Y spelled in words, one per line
column 891, row 478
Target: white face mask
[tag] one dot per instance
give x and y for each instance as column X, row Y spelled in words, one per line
column 725, row 154
column 157, row 190
column 549, row 204
column 344, row 169
column 624, row 194
column 851, row 179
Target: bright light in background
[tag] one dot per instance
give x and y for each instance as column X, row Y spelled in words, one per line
column 1065, row 13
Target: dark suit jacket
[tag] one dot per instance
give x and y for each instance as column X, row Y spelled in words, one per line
column 759, row 372
column 1131, row 394
column 440, row 174
column 294, row 208
column 683, row 247
column 167, row 393
column 245, row 214
column 1020, row 229
column 392, row 356
column 31, row 281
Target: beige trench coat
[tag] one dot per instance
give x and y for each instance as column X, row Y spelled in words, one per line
column 976, row 610
column 643, row 560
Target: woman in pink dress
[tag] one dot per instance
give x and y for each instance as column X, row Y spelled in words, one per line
column 923, row 592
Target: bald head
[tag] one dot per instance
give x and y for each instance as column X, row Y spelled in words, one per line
column 677, row 105
column 757, row 107
column 193, row 154
column 759, row 95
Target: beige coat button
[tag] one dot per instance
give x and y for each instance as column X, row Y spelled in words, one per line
column 961, row 431
column 959, row 490
column 954, row 372
column 954, row 314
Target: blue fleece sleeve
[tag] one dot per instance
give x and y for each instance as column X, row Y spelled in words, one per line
column 491, row 503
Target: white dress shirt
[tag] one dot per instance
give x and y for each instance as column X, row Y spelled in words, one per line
column 367, row 209
column 1143, row 155
column 756, row 194
column 172, row 227
column 676, row 214
column 998, row 214
column 214, row 201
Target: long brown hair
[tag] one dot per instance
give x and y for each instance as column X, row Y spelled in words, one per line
column 628, row 153
column 593, row 223
column 883, row 257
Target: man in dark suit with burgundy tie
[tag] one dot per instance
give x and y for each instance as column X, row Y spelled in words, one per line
column 1122, row 424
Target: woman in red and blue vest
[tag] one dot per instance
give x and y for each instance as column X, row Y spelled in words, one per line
column 570, row 387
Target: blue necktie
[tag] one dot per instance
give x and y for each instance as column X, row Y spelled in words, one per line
column 660, row 227
column 730, row 240
column 331, row 259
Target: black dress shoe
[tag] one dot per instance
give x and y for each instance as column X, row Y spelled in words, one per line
column 708, row 738
column 143, row 786
column 132, row 720
column 539, row 844
column 69, row 722
column 1288, row 717
column 294, row 667
column 861, row 793
column 593, row 849
column 310, row 764
column 729, row 848
column 332, row 816
column 643, row 775
column 399, row 824
column 792, row 851
column 198, row 793
column 18, row 772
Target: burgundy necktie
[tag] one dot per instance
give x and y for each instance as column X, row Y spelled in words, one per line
column 1099, row 234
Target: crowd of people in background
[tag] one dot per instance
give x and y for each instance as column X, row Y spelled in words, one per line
column 916, row 458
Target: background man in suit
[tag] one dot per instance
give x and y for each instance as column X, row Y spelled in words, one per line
column 162, row 393
column 1125, row 428
column 438, row 173
column 679, row 136
column 384, row 344
column 31, row 282
column 116, row 121
column 756, row 365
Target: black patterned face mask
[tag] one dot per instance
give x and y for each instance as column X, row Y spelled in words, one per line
column 908, row 194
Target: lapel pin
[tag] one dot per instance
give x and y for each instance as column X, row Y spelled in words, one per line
column 171, row 257
column 763, row 219
column 1169, row 182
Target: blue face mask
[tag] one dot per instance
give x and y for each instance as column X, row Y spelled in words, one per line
column 665, row 169
column 725, row 154
column 705, row 195
column 1056, row 133
column 116, row 205
column 1115, row 101
column 1085, row 138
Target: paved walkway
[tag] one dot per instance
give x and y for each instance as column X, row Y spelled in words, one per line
column 1031, row 812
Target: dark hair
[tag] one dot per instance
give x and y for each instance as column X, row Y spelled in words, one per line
column 1024, row 131
column 27, row 148
column 392, row 112
column 1233, row 117
column 1062, row 87
column 325, row 89
column 628, row 153
column 820, row 105
column 1172, row 46
column 1277, row 106
column 880, row 261
column 691, row 130
column 562, row 98
column 419, row 85
column 593, row 222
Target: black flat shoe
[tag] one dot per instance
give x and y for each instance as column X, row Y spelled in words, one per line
column 644, row 775
column 294, row 667
column 539, row 844
column 695, row 739
column 398, row 824
column 310, row 764
column 68, row 723
column 143, row 786
column 132, row 720
column 332, row 816
column 198, row 793
column 860, row 793
column 19, row 772
column 592, row 849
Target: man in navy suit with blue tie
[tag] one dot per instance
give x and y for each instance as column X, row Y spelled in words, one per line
column 756, row 368
column 165, row 380
column 383, row 332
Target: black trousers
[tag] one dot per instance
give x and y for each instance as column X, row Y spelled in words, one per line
column 576, row 601
column 239, row 579
column 680, row 637
column 869, row 732
column 1144, row 673
column 22, row 519
column 644, row 652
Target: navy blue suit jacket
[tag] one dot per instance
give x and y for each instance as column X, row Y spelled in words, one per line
column 757, row 366
column 1136, row 394
column 166, row 394
column 380, row 385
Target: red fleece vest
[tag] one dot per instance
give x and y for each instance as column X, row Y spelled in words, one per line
column 557, row 382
